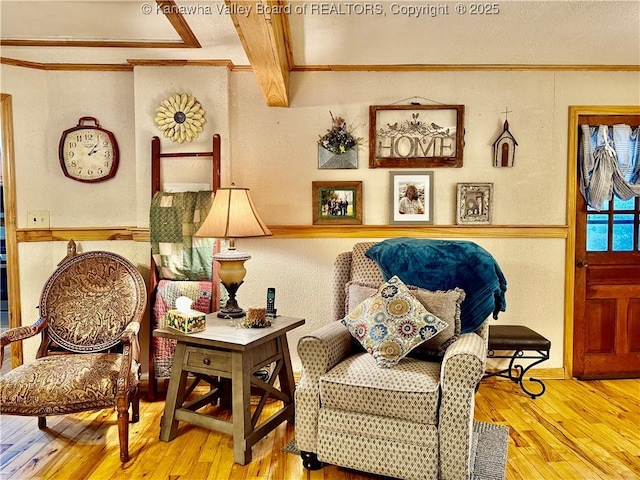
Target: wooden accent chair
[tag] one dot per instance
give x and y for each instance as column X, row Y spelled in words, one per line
column 90, row 311
column 412, row 421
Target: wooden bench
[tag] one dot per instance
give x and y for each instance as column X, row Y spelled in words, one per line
column 518, row 339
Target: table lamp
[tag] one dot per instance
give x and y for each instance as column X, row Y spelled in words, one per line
column 232, row 216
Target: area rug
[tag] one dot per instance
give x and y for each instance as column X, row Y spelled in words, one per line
column 488, row 450
column 491, row 444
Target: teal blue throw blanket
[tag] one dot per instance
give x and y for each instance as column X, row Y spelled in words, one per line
column 443, row 265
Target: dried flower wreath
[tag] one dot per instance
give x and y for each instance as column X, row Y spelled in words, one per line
column 339, row 138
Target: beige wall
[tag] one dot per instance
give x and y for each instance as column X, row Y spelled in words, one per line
column 46, row 104
column 210, row 85
column 273, row 152
column 289, row 145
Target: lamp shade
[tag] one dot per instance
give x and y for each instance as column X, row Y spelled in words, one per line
column 233, row 215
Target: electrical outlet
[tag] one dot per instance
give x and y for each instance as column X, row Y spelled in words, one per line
column 38, row 219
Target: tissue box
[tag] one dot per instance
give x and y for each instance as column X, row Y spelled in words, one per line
column 189, row 322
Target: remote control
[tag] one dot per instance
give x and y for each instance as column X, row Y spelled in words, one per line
column 271, row 302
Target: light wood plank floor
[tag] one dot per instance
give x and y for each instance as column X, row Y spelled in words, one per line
column 576, row 430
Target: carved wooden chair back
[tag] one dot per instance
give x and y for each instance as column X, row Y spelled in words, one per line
column 88, row 302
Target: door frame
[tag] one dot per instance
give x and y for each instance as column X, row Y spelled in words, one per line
column 572, row 188
column 10, row 218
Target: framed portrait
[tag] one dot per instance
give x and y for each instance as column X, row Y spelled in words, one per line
column 411, row 197
column 416, row 136
column 337, row 203
column 475, row 203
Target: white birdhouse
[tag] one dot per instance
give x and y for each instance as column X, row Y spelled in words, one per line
column 504, row 148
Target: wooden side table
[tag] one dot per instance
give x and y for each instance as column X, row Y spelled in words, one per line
column 223, row 350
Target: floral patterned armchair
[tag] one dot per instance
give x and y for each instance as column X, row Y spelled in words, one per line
column 90, row 311
column 411, row 421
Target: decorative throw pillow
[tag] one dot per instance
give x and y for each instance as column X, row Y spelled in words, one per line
column 391, row 323
column 443, row 304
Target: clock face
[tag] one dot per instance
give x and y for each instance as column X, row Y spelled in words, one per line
column 88, row 154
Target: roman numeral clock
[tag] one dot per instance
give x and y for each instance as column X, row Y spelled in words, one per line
column 88, row 153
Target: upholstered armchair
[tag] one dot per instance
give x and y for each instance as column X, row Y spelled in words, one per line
column 412, row 420
column 90, row 311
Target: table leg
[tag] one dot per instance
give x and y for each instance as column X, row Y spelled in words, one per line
column 287, row 383
column 225, row 392
column 175, row 395
column 241, row 406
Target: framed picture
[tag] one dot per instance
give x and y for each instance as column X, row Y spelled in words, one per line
column 411, row 197
column 338, row 203
column 416, row 136
column 475, row 203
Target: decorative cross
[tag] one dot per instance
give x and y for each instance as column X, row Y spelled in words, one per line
column 506, row 112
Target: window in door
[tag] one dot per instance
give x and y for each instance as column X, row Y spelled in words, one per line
column 615, row 228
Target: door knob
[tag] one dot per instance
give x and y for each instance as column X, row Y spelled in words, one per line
column 582, row 263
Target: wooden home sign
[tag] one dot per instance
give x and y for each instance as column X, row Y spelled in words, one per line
column 416, row 136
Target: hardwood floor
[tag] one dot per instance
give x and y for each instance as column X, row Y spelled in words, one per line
column 576, row 430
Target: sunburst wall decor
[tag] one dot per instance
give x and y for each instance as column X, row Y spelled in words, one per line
column 180, row 117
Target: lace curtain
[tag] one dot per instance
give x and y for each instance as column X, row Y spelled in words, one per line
column 608, row 163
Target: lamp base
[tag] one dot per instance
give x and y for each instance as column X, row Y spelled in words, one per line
column 228, row 313
column 222, row 313
column 231, row 309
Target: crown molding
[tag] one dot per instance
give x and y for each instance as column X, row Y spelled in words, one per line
column 180, row 63
column 117, row 67
column 461, row 68
column 101, row 67
column 125, row 67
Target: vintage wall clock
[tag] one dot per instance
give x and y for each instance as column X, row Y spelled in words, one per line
column 88, row 153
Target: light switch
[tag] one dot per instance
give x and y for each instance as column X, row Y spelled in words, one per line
column 38, row 219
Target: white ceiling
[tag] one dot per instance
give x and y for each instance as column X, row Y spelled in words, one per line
column 570, row 32
column 539, row 32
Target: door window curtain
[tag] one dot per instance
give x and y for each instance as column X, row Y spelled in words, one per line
column 608, row 163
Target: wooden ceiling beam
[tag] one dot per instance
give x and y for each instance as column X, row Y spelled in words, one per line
column 178, row 22
column 263, row 29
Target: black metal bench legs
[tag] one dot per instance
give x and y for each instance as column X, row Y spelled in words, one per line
column 518, row 339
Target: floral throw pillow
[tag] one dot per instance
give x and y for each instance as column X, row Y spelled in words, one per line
column 443, row 304
column 391, row 323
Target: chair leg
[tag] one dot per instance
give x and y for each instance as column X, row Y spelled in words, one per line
column 123, row 428
column 310, row 461
column 42, row 422
column 135, row 406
